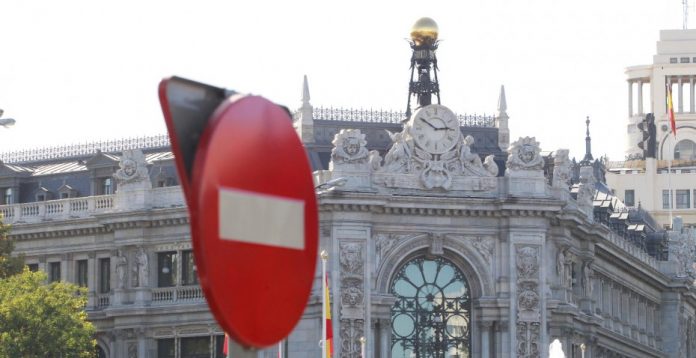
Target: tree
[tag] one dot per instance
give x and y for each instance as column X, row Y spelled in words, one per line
column 40, row 320
column 9, row 265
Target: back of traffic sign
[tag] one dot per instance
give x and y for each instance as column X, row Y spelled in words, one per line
column 253, row 218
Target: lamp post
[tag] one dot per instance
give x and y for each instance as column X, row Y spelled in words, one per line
column 6, row 122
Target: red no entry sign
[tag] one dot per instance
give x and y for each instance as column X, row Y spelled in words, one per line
column 253, row 210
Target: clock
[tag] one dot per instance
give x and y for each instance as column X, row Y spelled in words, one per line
column 435, row 128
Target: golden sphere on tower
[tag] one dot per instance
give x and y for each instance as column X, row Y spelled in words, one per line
column 424, row 31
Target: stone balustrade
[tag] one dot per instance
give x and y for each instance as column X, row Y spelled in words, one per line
column 68, row 209
column 177, row 294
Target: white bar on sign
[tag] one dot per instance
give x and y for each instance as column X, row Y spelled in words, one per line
column 261, row 219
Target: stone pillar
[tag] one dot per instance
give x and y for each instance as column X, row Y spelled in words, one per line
column 529, row 301
column 630, row 98
column 385, row 338
column 350, row 261
column 142, row 343
column 691, row 95
column 92, row 274
column 680, row 91
column 485, row 327
column 640, row 97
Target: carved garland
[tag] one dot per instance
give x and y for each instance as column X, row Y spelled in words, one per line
column 528, row 302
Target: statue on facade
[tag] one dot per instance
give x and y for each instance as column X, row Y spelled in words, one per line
column 142, row 268
column 121, row 267
column 587, row 279
column 560, row 266
column 398, row 157
column 561, row 169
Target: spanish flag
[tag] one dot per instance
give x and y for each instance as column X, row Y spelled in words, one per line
column 329, row 328
column 670, row 109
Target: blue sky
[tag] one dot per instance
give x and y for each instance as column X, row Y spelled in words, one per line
column 73, row 71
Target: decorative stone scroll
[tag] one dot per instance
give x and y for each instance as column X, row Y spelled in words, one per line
column 528, row 301
column 352, row 293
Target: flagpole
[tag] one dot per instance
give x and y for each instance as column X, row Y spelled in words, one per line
column 280, row 349
column 324, row 257
column 669, row 180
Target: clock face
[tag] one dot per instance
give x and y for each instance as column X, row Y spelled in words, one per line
column 435, row 128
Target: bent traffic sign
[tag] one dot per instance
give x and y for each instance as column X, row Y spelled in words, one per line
column 253, row 218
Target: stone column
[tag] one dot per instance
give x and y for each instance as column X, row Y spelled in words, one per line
column 680, row 91
column 485, row 327
column 92, row 274
column 640, row 97
column 691, row 94
column 630, row 98
column 385, row 338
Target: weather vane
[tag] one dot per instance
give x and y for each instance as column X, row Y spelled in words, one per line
column 685, row 5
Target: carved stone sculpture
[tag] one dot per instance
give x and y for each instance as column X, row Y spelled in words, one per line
column 133, row 168
column 121, row 268
column 142, row 267
column 525, row 154
column 349, row 147
column 561, row 169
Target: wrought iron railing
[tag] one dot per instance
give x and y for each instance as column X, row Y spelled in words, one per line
column 382, row 116
column 74, row 150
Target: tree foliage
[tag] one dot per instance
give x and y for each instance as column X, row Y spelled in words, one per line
column 40, row 320
column 9, row 265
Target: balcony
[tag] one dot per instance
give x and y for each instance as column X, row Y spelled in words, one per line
column 75, row 208
column 179, row 294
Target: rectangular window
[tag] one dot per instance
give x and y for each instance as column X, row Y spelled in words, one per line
column 189, row 276
column 165, row 348
column 672, row 60
column 107, row 187
column 219, row 343
column 81, row 270
column 684, row 59
column 666, row 199
column 104, row 275
column 54, row 272
column 682, row 199
column 630, row 198
column 166, row 269
column 7, row 196
column 33, row 267
column 195, row 347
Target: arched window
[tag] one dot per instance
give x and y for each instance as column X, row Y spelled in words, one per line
column 685, row 150
column 432, row 313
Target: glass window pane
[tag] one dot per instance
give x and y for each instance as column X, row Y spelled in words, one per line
column 81, row 278
column 189, row 276
column 195, row 347
column 682, row 199
column 166, row 269
column 104, row 275
column 54, row 272
column 629, row 198
column 431, row 315
column 165, row 348
column 666, row 202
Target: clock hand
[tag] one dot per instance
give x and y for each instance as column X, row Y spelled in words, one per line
column 428, row 123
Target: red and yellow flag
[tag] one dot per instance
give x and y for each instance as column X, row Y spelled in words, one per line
column 329, row 328
column 670, row 110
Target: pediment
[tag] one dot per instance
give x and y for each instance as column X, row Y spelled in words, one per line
column 101, row 159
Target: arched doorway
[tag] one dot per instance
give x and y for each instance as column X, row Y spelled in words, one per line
column 432, row 313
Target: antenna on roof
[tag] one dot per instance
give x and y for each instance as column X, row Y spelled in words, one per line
column 685, row 5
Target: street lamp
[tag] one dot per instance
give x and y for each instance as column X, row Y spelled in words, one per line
column 6, row 122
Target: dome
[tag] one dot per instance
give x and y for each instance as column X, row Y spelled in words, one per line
column 424, row 31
